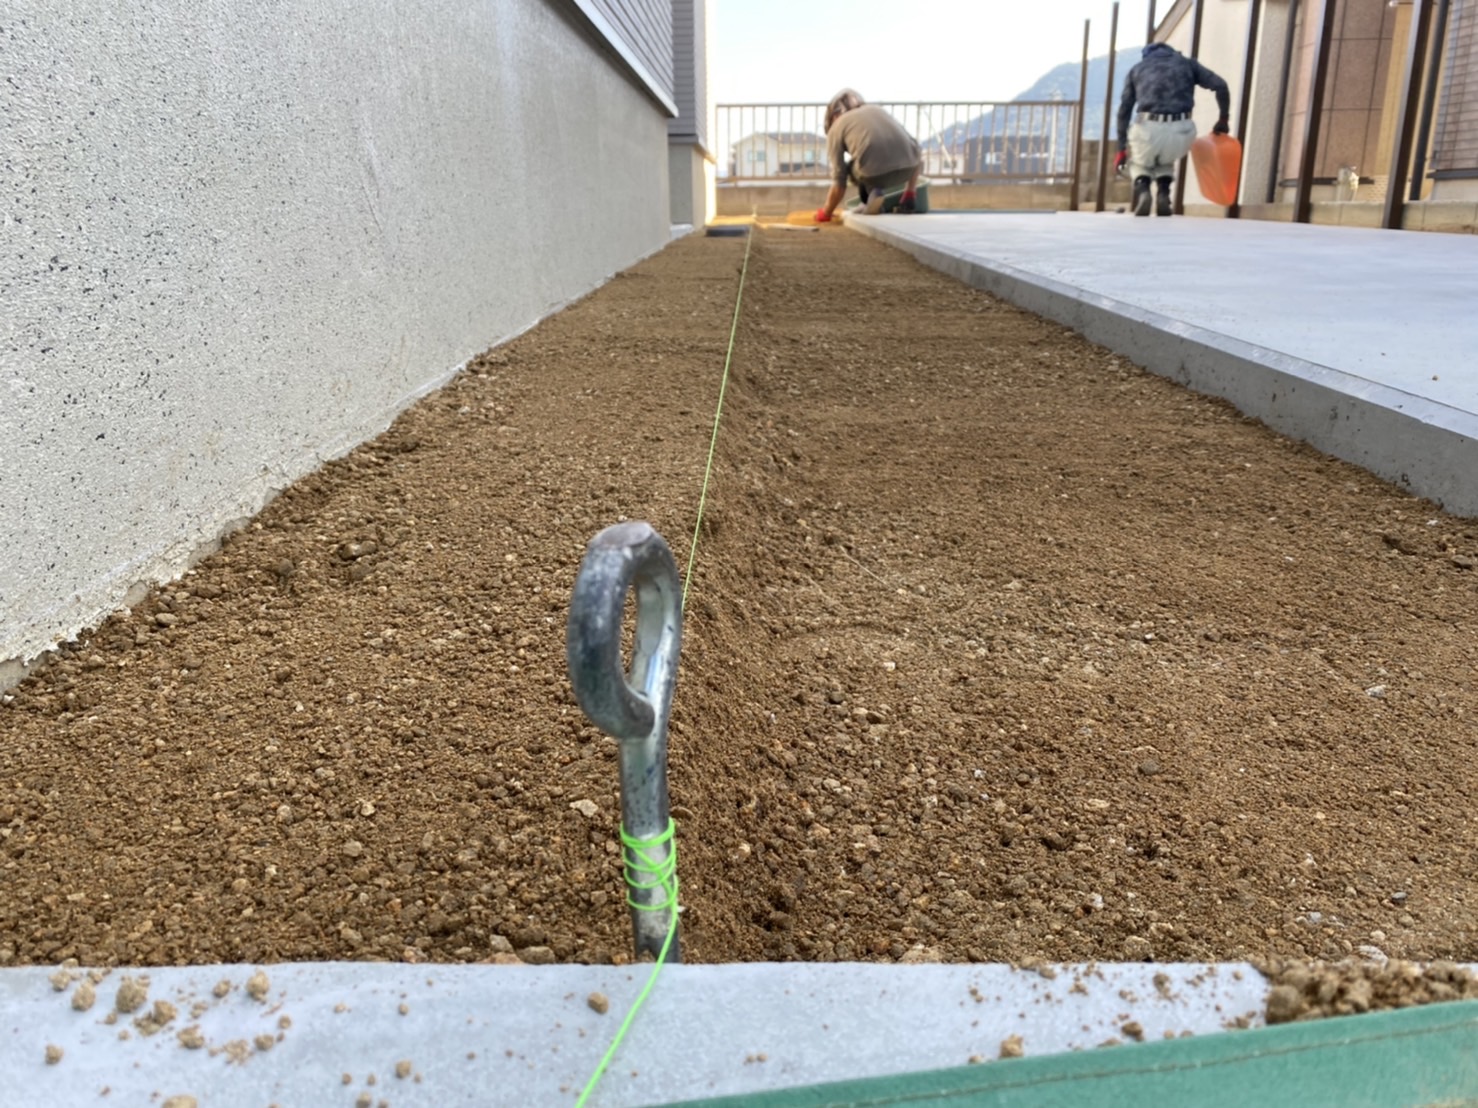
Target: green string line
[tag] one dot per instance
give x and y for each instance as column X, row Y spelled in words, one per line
column 638, row 856
column 636, row 853
column 713, row 441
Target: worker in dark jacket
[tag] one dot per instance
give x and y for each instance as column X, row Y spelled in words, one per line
column 1163, row 89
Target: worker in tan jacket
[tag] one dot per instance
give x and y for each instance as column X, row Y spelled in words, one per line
column 867, row 145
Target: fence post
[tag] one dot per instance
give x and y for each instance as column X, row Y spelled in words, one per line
column 1108, row 106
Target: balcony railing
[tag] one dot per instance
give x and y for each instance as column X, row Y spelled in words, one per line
column 962, row 143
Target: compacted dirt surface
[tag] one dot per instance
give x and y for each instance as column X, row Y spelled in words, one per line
column 996, row 648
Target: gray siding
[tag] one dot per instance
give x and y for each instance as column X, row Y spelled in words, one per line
column 641, row 32
column 1455, row 150
column 690, row 71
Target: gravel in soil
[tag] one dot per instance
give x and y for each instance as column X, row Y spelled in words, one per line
column 997, row 648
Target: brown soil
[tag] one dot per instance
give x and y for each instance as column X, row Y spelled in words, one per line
column 1303, row 991
column 998, row 648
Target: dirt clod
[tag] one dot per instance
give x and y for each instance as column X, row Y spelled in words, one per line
column 156, row 1018
column 258, row 985
column 133, row 992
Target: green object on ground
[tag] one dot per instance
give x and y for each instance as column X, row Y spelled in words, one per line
column 1418, row 1056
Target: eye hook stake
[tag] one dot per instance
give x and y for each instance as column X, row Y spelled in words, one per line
column 632, row 707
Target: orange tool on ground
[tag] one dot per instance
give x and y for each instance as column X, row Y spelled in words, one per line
column 806, row 218
column 1218, row 163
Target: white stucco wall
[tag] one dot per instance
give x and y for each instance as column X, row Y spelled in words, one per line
column 240, row 236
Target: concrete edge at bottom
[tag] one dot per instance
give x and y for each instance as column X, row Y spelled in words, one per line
column 1425, row 448
column 430, row 1036
column 438, row 1035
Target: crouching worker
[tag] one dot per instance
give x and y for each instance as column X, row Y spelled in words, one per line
column 884, row 158
column 1162, row 86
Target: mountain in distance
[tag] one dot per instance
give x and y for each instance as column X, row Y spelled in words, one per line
column 1061, row 83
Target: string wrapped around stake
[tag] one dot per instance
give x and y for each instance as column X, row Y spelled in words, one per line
column 660, row 864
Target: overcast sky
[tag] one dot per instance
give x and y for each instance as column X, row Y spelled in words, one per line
column 802, row 51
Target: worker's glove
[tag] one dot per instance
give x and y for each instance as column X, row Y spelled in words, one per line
column 1119, row 159
column 822, row 216
column 1221, row 127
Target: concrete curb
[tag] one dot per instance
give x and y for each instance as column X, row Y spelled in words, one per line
column 328, row 1033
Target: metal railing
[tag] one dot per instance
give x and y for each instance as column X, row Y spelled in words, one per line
column 962, row 143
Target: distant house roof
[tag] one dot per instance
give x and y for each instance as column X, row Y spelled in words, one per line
column 786, row 136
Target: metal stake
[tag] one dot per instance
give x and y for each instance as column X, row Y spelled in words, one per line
column 1108, row 113
column 632, row 707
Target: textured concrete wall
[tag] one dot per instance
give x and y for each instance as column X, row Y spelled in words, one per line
column 239, row 237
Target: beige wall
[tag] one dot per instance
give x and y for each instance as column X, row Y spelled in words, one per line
column 1354, row 93
column 1223, row 36
column 691, row 183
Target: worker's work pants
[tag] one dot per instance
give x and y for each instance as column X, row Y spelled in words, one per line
column 890, row 184
column 1155, row 147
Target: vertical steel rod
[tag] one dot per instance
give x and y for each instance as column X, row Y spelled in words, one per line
column 1197, row 16
column 1108, row 107
column 1149, row 31
column 1429, row 98
column 1303, row 199
column 1082, row 120
column 1244, row 101
column 1276, row 163
column 621, row 558
column 1416, row 50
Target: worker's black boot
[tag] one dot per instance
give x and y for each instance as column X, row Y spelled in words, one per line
column 1163, row 203
column 1141, row 196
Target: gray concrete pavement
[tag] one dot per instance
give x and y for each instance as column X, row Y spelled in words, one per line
column 341, row 1033
column 1360, row 342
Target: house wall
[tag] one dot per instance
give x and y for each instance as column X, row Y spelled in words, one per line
column 692, row 181
column 241, row 238
column 1354, row 93
column 1223, row 38
column 691, row 167
column 690, row 22
column 1261, row 147
column 641, row 32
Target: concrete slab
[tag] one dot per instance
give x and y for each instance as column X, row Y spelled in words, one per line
column 1358, row 341
column 412, row 1036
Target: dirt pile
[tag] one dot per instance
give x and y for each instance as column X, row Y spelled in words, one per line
column 1303, row 990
